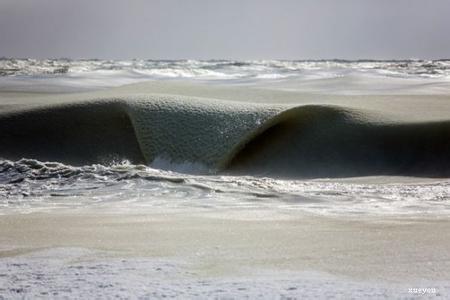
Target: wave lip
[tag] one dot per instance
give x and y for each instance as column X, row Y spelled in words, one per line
column 295, row 141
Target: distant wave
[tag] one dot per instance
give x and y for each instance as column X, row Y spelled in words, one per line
column 224, row 69
column 295, row 141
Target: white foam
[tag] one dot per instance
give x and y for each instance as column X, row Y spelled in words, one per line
column 185, row 167
column 92, row 74
column 78, row 273
column 30, row 186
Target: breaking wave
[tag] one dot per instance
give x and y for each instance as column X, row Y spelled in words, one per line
column 296, row 141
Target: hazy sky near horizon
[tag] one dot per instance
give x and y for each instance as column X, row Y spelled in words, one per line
column 231, row 29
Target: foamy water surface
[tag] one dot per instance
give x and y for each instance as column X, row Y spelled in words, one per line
column 30, row 186
column 94, row 73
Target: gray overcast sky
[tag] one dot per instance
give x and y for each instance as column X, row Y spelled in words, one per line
column 233, row 29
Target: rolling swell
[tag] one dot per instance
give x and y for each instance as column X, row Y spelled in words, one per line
column 327, row 141
column 305, row 141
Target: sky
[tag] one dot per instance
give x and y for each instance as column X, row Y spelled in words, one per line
column 225, row 29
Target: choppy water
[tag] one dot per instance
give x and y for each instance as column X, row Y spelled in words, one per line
column 31, row 186
column 225, row 69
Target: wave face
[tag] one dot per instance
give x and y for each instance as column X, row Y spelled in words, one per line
column 295, row 141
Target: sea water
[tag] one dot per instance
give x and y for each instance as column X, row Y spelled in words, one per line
column 28, row 184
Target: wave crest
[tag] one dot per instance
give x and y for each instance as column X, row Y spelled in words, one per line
column 244, row 138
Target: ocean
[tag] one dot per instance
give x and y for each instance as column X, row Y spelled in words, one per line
column 211, row 147
column 307, row 135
